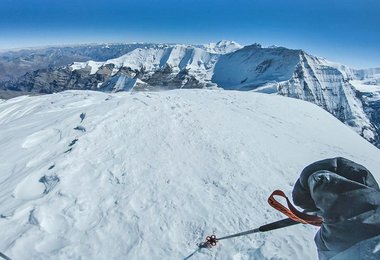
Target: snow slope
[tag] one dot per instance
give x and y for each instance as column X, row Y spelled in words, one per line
column 253, row 66
column 90, row 175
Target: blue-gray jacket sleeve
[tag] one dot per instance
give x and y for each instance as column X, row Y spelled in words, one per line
column 347, row 196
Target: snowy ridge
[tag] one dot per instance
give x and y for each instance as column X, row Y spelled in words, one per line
column 166, row 60
column 195, row 60
column 102, row 176
column 368, row 74
column 92, row 65
column 122, row 83
column 350, row 95
column 221, row 47
column 177, row 57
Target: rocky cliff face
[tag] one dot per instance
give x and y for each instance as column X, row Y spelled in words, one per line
column 328, row 86
column 55, row 80
column 367, row 87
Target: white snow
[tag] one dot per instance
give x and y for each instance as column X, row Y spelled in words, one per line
column 222, row 47
column 371, row 75
column 124, row 83
column 93, row 65
column 177, row 57
column 254, row 66
column 367, row 88
column 154, row 173
column 377, row 249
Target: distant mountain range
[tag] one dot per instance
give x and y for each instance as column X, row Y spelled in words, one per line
column 353, row 96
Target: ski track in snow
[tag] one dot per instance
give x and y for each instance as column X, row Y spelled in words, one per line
column 148, row 175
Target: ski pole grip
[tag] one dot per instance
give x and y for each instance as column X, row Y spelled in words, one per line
column 278, row 224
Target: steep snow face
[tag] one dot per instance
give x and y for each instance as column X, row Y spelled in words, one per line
column 368, row 89
column 92, row 65
column 222, row 47
column 178, row 57
column 147, row 175
column 122, row 83
column 328, row 86
column 148, row 59
column 253, row 66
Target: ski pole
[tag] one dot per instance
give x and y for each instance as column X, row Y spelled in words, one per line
column 4, row 256
column 295, row 217
column 212, row 240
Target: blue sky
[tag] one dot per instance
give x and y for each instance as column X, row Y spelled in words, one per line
column 341, row 30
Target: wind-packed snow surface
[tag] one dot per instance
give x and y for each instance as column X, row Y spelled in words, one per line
column 90, row 175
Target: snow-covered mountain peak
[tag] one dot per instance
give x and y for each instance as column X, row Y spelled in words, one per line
column 222, row 47
column 254, row 46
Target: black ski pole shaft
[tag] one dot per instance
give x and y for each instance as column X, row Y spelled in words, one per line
column 278, row 224
column 268, row 227
column 4, row 256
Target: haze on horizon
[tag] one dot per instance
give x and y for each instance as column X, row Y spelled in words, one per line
column 344, row 31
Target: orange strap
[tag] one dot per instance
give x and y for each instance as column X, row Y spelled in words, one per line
column 291, row 211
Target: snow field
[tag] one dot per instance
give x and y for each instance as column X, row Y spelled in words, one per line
column 90, row 175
